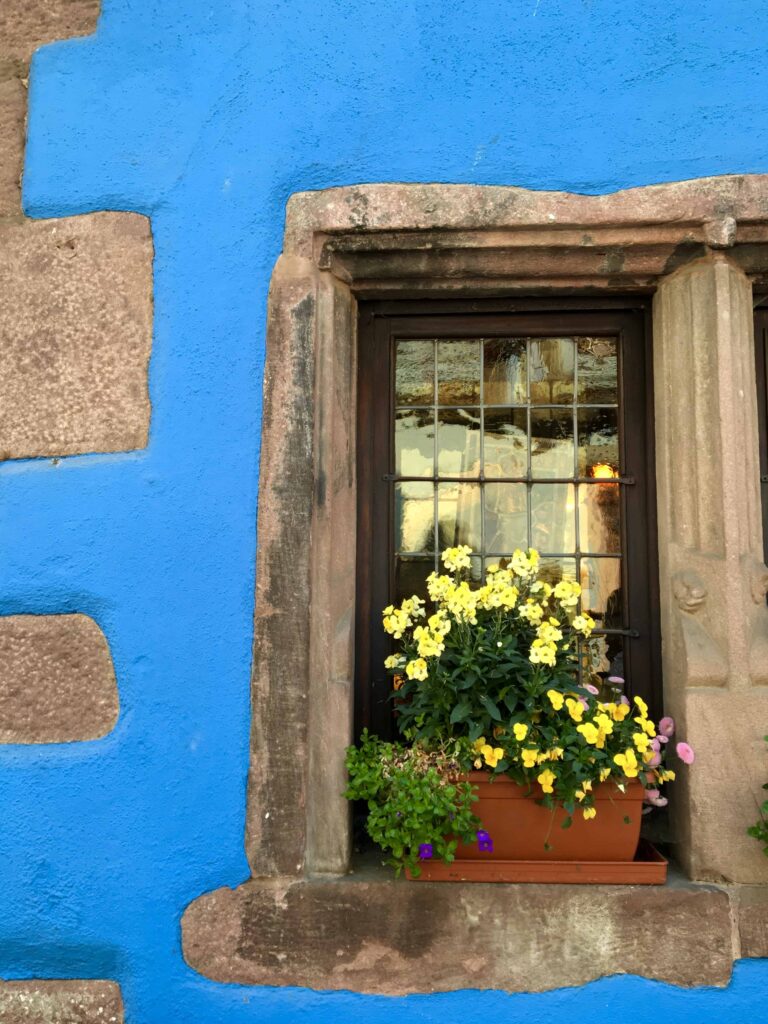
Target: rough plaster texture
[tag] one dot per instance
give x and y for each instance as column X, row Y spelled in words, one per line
column 57, row 681
column 209, row 117
column 75, row 335
column 60, row 1002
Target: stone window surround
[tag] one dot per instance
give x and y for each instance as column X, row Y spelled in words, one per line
column 698, row 247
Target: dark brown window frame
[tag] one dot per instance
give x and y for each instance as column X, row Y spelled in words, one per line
column 380, row 324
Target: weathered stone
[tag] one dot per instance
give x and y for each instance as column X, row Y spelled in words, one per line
column 60, row 1002
column 75, row 335
column 399, row 937
column 27, row 24
column 57, row 681
column 752, row 917
column 713, row 614
column 13, row 105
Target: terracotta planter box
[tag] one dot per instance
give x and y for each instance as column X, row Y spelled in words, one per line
column 602, row 849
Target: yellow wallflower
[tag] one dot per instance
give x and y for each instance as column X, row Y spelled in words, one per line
column 416, row 669
column 457, row 558
column 556, row 699
column 520, row 730
column 394, row 661
column 546, row 778
column 529, row 757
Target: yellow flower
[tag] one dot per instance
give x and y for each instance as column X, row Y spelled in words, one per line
column 589, row 812
column 641, row 741
column 575, row 709
column 583, row 624
column 667, row 775
column 618, row 712
column 580, row 794
column 520, row 730
column 589, row 731
column 546, row 778
column 529, row 757
column 457, row 558
column 642, row 705
column 567, row 593
column 416, row 669
column 628, row 763
column 492, row 755
column 556, row 699
column 394, row 661
column 478, row 745
column 604, row 773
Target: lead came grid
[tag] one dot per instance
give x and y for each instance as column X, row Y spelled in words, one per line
column 511, row 442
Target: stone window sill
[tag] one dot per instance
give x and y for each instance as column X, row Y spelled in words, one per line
column 370, row 933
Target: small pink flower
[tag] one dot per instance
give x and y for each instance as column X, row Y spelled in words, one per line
column 685, row 753
column 659, row 801
column 623, row 699
column 654, row 761
column 590, row 688
column 649, row 795
column 667, row 726
column 618, row 680
column 663, row 739
column 584, row 703
column 655, row 744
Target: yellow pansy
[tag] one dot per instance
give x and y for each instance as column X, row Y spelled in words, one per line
column 642, row 705
column 545, row 779
column 556, row 699
column 520, row 729
column 529, row 756
column 604, row 773
column 589, row 731
column 641, row 741
column 618, row 712
column 628, row 763
column 667, row 775
column 589, row 812
column 575, row 709
column 492, row 755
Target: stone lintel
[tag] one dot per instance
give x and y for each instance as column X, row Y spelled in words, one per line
column 57, row 681
column 376, row 935
column 36, row 1001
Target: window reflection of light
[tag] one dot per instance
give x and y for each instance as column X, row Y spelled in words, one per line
column 603, row 471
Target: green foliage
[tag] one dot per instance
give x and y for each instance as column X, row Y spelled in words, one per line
column 759, row 830
column 414, row 797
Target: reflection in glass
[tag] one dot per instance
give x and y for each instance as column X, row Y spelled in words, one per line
column 598, row 371
column 506, row 442
column 553, row 517
column 553, row 570
column 410, row 577
column 415, row 373
column 458, row 372
column 414, row 442
column 601, row 591
column 458, row 442
column 504, row 371
column 458, row 515
column 414, row 516
column 550, row 370
column 600, row 518
column 598, row 441
column 506, row 517
column 552, row 450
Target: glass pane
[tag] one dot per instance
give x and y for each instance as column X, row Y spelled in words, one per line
column 414, row 442
column 506, row 517
column 600, row 518
column 458, row 372
column 506, row 442
column 601, row 591
column 415, row 373
column 598, row 443
column 597, row 371
column 552, row 450
column 550, row 370
column 458, row 442
column 553, row 517
column 414, row 517
column 476, row 569
column 553, row 570
column 410, row 577
column 504, row 371
column 458, row 515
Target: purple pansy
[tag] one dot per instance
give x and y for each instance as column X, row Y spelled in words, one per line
column 484, row 842
column 425, row 851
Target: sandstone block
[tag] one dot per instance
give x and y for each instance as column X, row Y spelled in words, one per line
column 60, row 1002
column 57, row 681
column 13, row 101
column 27, row 24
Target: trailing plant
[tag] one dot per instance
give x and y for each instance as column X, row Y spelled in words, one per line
column 759, row 830
column 418, row 806
column 489, row 676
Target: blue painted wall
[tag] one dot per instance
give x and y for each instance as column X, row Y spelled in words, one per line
column 207, row 115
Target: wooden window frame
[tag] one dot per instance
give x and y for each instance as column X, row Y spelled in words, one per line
column 380, row 325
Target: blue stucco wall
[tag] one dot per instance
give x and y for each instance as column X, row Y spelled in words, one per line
column 206, row 115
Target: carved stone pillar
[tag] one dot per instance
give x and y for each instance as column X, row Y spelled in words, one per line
column 712, row 578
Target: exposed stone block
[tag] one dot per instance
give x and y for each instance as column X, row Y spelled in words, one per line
column 394, row 938
column 57, row 681
column 60, row 1002
column 75, row 335
column 13, row 102
column 27, row 24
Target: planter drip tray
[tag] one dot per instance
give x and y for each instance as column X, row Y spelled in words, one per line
column 648, row 868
